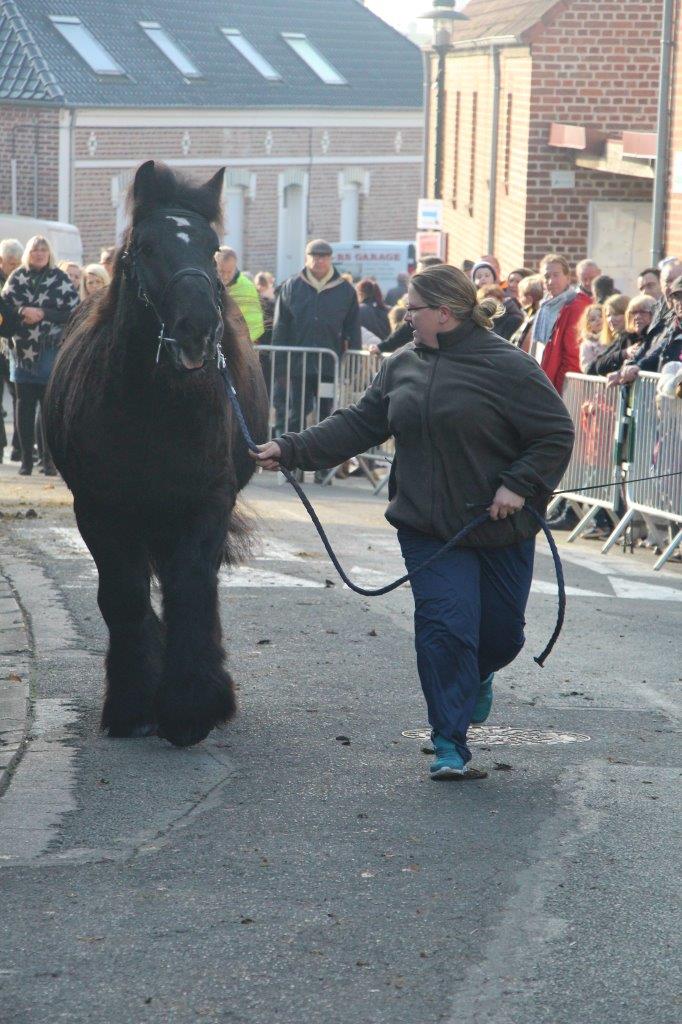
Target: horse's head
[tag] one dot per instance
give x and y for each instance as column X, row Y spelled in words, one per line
column 169, row 258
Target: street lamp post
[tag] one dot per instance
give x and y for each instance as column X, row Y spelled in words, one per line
column 442, row 15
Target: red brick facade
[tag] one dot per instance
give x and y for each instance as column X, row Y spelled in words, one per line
column 380, row 153
column 29, row 136
column 592, row 63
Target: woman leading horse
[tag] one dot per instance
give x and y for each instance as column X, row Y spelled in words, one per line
column 477, row 425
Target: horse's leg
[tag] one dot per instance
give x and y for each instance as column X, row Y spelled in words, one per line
column 196, row 691
column 134, row 658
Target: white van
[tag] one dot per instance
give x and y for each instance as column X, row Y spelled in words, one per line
column 380, row 260
column 65, row 239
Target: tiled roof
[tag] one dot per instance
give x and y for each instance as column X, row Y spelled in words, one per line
column 381, row 67
column 487, row 19
column 23, row 72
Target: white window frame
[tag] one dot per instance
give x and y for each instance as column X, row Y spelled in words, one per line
column 297, row 177
column 249, row 52
column 315, row 60
column 82, row 36
column 170, row 49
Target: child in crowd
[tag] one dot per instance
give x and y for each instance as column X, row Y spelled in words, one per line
column 590, row 329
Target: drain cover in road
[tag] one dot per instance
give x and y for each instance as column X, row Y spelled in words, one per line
column 496, row 735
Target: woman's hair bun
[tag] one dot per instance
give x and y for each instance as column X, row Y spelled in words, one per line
column 485, row 311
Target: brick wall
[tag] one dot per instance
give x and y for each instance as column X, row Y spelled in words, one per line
column 29, row 135
column 466, row 157
column 388, row 211
column 595, row 63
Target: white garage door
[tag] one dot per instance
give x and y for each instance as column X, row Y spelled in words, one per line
column 620, row 240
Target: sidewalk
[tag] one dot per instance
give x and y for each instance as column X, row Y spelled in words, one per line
column 15, row 675
column 19, row 497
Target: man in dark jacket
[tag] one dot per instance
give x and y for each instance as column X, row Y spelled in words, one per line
column 315, row 309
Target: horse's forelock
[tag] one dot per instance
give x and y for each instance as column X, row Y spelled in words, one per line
column 176, row 191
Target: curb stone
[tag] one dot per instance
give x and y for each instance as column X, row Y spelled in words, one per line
column 15, row 675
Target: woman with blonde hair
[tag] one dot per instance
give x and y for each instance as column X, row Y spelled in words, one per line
column 589, row 335
column 477, row 426
column 94, row 279
column 73, row 271
column 626, row 324
column 44, row 297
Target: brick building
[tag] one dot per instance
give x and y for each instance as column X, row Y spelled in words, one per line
column 315, row 109
column 673, row 210
column 576, row 84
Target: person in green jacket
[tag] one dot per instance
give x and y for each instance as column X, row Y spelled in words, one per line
column 242, row 289
column 477, row 425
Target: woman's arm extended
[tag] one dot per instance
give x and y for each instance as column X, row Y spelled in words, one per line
column 345, row 433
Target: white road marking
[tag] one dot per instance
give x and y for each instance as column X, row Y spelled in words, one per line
column 281, row 551
column 66, row 543
column 544, row 587
column 245, row 576
column 635, row 590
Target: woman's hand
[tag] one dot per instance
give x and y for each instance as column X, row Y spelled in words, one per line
column 268, row 455
column 505, row 503
column 624, row 376
column 32, row 315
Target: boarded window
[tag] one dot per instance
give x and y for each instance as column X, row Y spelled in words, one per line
column 455, row 160
column 472, row 158
column 507, row 144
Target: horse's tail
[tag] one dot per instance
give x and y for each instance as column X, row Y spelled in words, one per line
column 240, row 535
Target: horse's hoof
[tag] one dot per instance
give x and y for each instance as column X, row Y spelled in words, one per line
column 128, row 731
column 187, row 716
column 187, row 735
column 148, row 729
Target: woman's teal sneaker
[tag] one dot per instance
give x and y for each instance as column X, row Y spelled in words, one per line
column 449, row 763
column 485, row 701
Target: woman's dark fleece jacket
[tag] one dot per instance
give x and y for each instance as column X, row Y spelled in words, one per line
column 466, row 417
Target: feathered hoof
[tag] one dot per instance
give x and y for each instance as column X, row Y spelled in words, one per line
column 124, row 723
column 188, row 717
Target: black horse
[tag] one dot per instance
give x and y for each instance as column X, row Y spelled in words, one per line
column 139, row 424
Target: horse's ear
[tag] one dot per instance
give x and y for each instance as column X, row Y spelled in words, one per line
column 214, row 186
column 145, row 186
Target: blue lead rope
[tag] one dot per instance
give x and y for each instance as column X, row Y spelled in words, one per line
column 478, row 521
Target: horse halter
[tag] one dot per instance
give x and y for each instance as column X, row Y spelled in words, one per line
column 135, row 275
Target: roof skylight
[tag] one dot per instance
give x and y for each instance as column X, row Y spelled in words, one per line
column 170, row 48
column 302, row 46
column 85, row 45
column 247, row 50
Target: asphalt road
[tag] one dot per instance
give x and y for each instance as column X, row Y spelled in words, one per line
column 276, row 874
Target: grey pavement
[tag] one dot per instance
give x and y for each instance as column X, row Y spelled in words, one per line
column 15, row 680
column 277, row 874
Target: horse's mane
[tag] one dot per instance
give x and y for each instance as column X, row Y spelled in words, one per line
column 92, row 351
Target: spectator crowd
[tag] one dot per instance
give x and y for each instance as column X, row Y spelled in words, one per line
column 570, row 319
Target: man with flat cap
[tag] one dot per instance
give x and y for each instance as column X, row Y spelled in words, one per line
column 315, row 309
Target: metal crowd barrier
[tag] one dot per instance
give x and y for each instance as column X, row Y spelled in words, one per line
column 358, row 369
column 302, row 385
column 599, row 415
column 655, row 450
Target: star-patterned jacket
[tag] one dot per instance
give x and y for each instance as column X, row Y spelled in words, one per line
column 33, row 348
